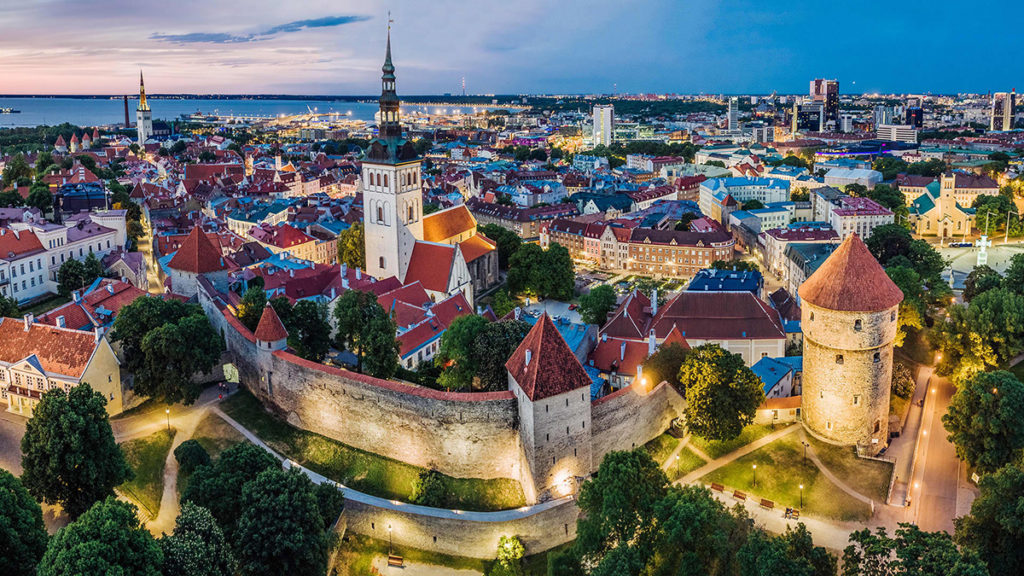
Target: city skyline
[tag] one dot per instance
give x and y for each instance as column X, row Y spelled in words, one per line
column 322, row 48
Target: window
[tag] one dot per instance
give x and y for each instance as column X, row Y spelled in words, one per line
column 839, row 358
column 857, row 325
column 878, row 357
column 828, row 425
column 878, row 426
column 856, row 399
column 812, row 316
column 380, row 214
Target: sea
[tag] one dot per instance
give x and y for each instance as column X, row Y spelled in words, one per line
column 102, row 111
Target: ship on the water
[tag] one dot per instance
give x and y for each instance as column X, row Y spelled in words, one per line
column 9, row 111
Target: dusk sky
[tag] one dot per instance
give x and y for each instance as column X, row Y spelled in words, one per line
column 517, row 46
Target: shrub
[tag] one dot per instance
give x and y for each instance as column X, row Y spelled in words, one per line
column 902, row 380
column 190, row 455
column 429, row 489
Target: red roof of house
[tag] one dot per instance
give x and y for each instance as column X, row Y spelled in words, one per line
column 442, row 225
column 59, row 350
column 718, row 316
column 431, row 265
column 476, row 246
column 197, row 254
column 631, row 318
column 270, row 328
column 14, row 244
column 552, row 368
column 851, row 280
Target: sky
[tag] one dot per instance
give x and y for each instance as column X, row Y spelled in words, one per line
column 506, row 46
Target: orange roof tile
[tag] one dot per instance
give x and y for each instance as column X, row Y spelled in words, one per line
column 552, row 368
column 18, row 244
column 198, row 254
column 270, row 328
column 430, row 265
column 851, row 280
column 476, row 246
column 442, row 225
column 59, row 350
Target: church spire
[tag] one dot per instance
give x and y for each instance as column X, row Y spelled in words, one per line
column 143, row 105
column 389, row 127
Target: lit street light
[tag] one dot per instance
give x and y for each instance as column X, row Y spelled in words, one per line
column 755, row 474
column 801, row 496
column 167, row 411
column 390, row 542
column 677, row 465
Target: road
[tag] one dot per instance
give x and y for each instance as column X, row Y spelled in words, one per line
column 937, row 475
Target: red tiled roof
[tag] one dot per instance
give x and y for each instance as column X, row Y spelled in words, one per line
column 270, row 328
column 552, row 369
column 476, row 246
column 197, row 254
column 442, row 225
column 631, row 318
column 18, row 244
column 851, row 280
column 718, row 316
column 431, row 265
column 59, row 350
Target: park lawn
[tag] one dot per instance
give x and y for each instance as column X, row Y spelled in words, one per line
column 719, row 448
column 688, row 462
column 147, row 457
column 661, row 447
column 365, row 471
column 780, row 471
column 870, row 478
column 537, row 564
column 356, row 554
column 215, row 436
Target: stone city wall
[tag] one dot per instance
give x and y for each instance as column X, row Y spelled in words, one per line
column 631, row 417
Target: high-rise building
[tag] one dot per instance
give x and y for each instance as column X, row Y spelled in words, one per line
column 1003, row 105
column 808, row 117
column 914, row 116
column 882, row 115
column 143, row 115
column 604, row 123
column 827, row 92
column 734, row 112
column 896, row 133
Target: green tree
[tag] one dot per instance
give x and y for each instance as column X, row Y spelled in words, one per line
column 250, row 309
column 933, row 168
column 856, row 189
column 11, row 199
column 754, row 204
column 456, row 353
column 995, row 527
column 9, row 307
column 889, row 166
column 429, row 489
column 697, row 534
column 39, row 196
column 43, row 161
column 617, row 504
column 173, row 354
column 197, row 546
column 722, row 393
column 985, row 334
column 887, row 196
column 508, row 242
column 71, row 276
column 1014, row 278
column 912, row 309
column 309, row 332
column 207, row 156
column 985, row 420
column 352, row 247
column 88, row 161
column 544, row 273
column 365, row 329
column 981, row 279
column 664, row 364
column 737, row 265
column 493, row 347
column 902, row 380
column 910, row 551
column 509, row 558
column 137, row 319
column 93, row 267
column 108, row 539
column 68, row 452
column 22, row 532
column 190, row 455
column 330, row 501
column 218, row 486
column 503, row 303
column 17, row 169
column 597, row 304
column 280, row 530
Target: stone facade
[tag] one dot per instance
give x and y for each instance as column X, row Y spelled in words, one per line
column 847, row 375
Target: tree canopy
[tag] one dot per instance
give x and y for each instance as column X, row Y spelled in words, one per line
column 722, row 393
column 366, row 330
column 197, row 546
column 981, row 279
column 985, row 420
column 309, row 332
column 22, row 532
column 351, row 246
column 910, row 551
column 597, row 304
column 665, row 363
column 995, row 526
column 508, row 242
column 108, row 539
column 544, row 273
column 250, row 309
column 69, row 454
column 982, row 335
column 456, row 354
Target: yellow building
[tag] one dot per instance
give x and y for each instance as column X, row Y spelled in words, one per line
column 35, row 358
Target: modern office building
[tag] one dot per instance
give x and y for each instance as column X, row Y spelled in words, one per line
column 808, row 117
column 734, row 112
column 896, row 132
column 1003, row 104
column 827, row 92
column 604, row 123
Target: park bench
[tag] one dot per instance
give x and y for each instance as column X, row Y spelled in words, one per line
column 739, row 495
column 795, row 514
column 395, row 560
column 767, row 504
column 717, row 487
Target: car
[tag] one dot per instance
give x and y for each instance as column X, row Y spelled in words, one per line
column 961, row 244
column 573, row 306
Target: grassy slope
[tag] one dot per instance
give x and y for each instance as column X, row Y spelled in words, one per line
column 719, row 448
column 147, row 457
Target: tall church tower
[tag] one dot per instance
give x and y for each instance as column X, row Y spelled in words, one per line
column 143, row 115
column 392, row 195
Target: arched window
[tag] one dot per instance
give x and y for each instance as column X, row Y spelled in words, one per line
column 380, row 214
column 382, row 263
column 385, row 179
column 411, row 212
column 839, row 358
column 857, row 325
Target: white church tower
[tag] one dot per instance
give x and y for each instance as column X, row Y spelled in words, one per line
column 392, row 193
column 143, row 115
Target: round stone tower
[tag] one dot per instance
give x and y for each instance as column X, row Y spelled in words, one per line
column 849, row 309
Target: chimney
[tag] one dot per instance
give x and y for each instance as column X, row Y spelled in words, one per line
column 652, row 343
column 334, row 293
column 604, row 337
column 28, row 321
column 99, row 333
column 654, row 302
column 344, row 283
column 516, row 312
column 529, row 356
column 291, row 272
column 359, row 273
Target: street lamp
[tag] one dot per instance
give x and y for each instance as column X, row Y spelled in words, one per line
column 755, row 475
column 805, row 451
column 391, row 542
column 677, row 465
column 801, row 496
column 167, row 411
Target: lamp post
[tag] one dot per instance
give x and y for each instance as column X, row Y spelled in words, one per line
column 755, row 475
column 167, row 411
column 805, row 451
column 677, row 465
column 391, row 542
column 801, row 496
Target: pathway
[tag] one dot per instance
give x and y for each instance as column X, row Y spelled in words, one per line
column 717, row 463
column 380, row 562
column 832, row 477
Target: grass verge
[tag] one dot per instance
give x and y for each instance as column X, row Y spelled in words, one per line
column 365, row 471
column 688, row 462
column 868, row 477
column 147, row 457
column 661, row 447
column 719, row 448
column 780, row 472
column 44, row 306
column 356, row 554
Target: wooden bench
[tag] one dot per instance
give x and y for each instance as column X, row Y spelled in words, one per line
column 395, row 560
column 717, row 487
column 739, row 495
column 767, row 504
column 795, row 514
